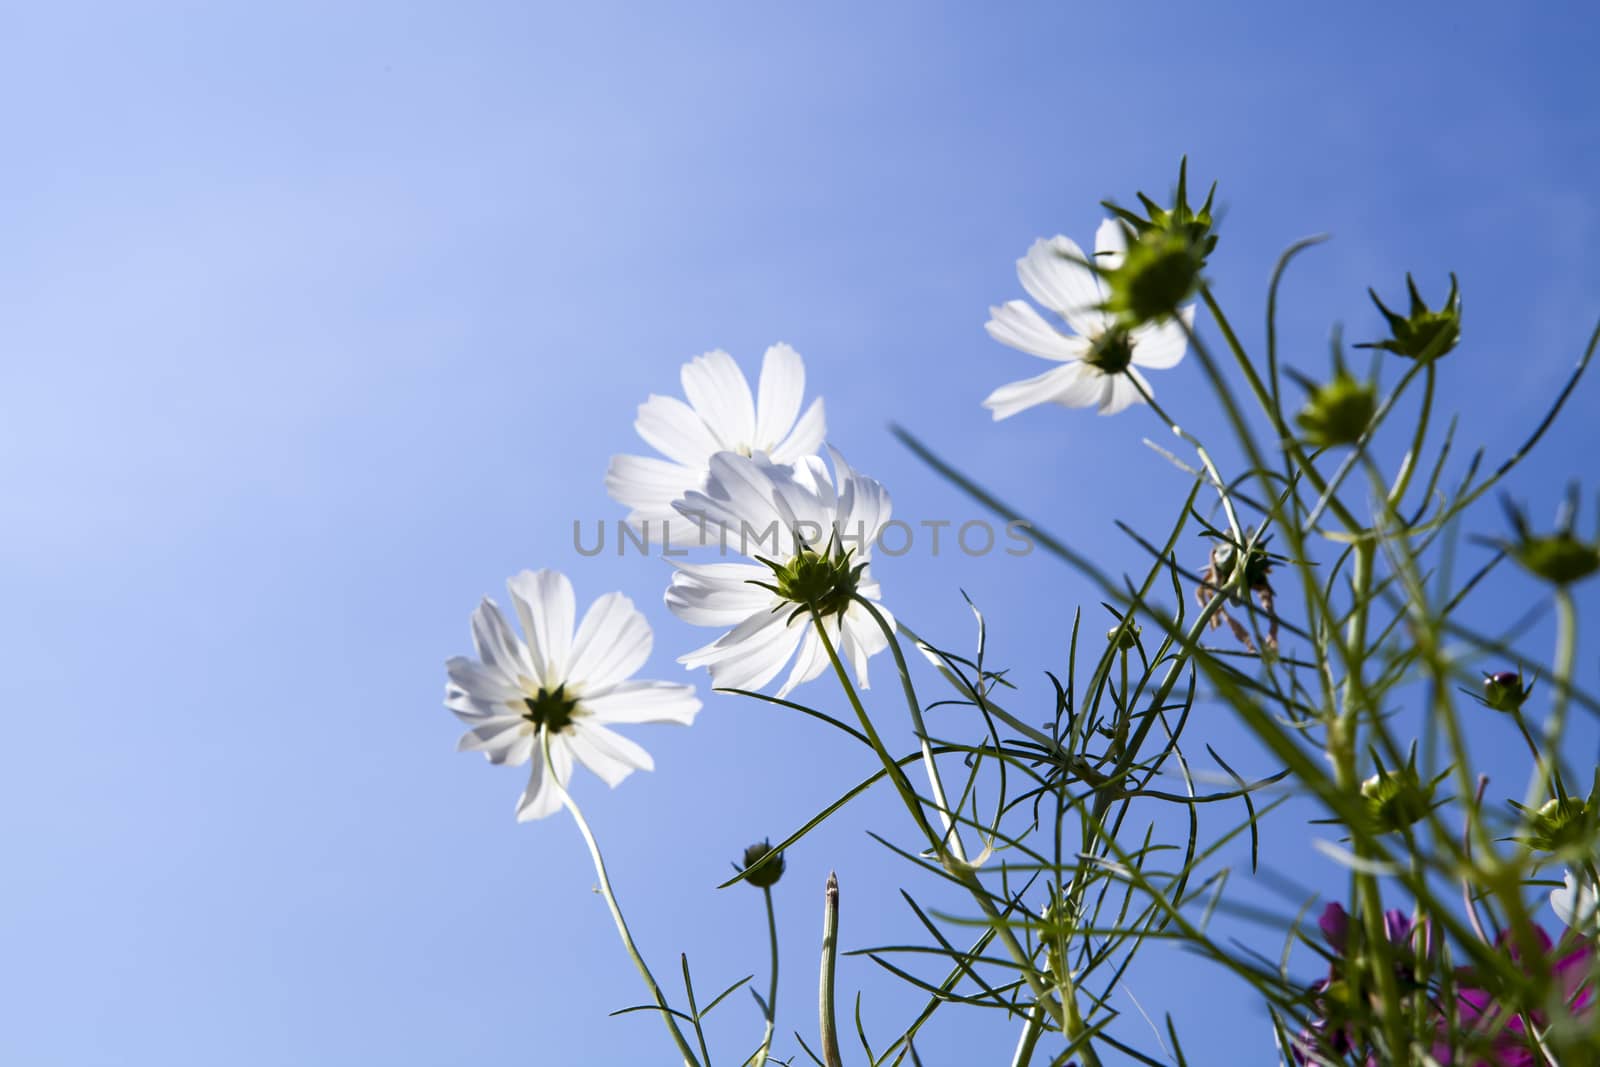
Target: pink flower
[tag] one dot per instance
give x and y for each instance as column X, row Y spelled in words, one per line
column 1574, row 974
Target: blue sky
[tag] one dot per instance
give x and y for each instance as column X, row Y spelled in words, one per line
column 318, row 321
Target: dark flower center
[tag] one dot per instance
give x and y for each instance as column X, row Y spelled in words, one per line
column 550, row 709
column 1111, row 352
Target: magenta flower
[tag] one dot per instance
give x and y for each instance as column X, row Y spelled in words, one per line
column 1330, row 1031
column 1573, row 970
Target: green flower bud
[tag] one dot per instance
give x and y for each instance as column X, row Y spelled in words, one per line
column 1196, row 227
column 1503, row 690
column 1167, row 250
column 1338, row 412
column 1125, row 636
column 763, row 865
column 1423, row 333
column 1565, row 825
column 1560, row 557
column 1397, row 799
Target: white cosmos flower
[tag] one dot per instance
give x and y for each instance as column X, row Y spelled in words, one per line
column 1099, row 359
column 818, row 535
column 1578, row 903
column 558, row 690
column 720, row 416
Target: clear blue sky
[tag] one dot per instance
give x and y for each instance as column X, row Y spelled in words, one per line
column 317, row 321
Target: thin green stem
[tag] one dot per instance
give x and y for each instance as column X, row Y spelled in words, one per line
column 1205, row 459
column 1032, row 1027
column 761, row 1055
column 962, row 871
column 1408, row 465
column 622, row 924
column 935, row 782
column 1555, row 727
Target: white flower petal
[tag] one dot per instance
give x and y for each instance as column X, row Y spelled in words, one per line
column 642, row 701
column 478, row 689
column 864, row 638
column 1056, row 273
column 1017, row 324
column 508, row 740
column 1072, row 385
column 779, row 395
column 1161, row 345
column 751, row 654
column 719, row 394
column 673, row 428
column 500, row 650
column 647, row 486
column 612, row 643
column 1110, row 244
column 863, row 506
column 608, row 754
column 1577, row 904
column 805, row 438
column 1120, row 392
column 718, row 594
column 812, row 661
column 543, row 796
column 741, row 500
column 805, row 497
column 546, row 607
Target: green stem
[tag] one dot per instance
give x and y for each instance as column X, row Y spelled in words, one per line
column 952, row 835
column 622, row 924
column 1555, row 727
column 1408, row 466
column 960, row 870
column 1205, row 459
column 760, row 1057
column 1264, row 399
column 1026, row 1042
column 830, row 959
column 1343, row 738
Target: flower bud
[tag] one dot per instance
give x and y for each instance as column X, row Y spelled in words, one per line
column 1396, row 799
column 1423, row 333
column 1167, row 249
column 1562, row 824
column 763, row 865
column 1196, row 227
column 1560, row 558
column 1504, row 691
column 1125, row 636
column 1339, row 412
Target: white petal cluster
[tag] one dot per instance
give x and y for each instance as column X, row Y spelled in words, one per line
column 589, row 666
column 721, row 415
column 772, row 511
column 1057, row 275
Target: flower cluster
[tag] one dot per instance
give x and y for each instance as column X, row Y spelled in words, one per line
column 738, row 465
column 770, row 536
